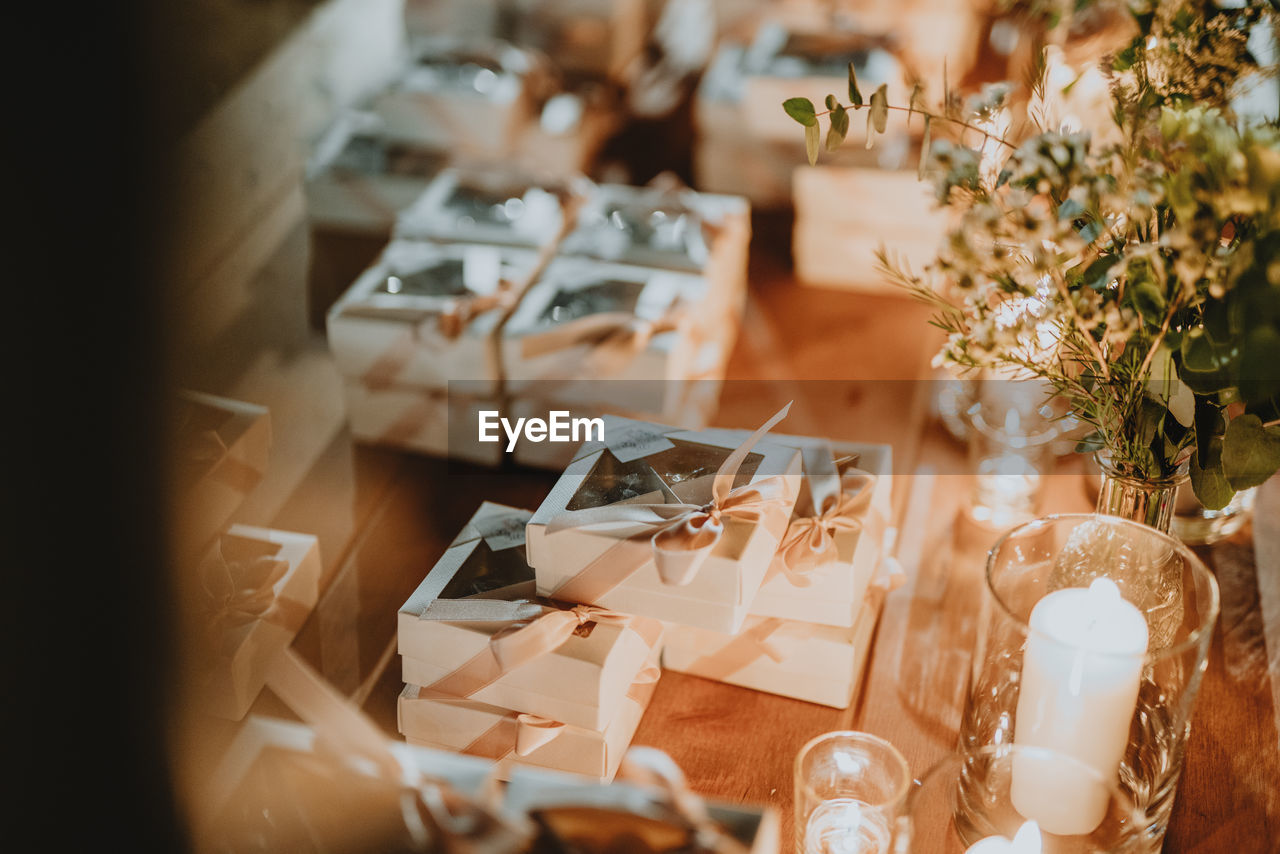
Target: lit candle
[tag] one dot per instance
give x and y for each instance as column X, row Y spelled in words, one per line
column 1025, row 841
column 1079, row 689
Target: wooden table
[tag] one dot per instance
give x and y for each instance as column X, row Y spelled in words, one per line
column 858, row 369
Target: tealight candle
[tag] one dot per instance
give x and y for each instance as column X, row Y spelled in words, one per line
column 1025, row 841
column 1079, row 689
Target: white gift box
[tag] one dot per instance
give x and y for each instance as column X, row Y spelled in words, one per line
column 490, row 206
column 832, row 594
column 392, row 327
column 584, row 322
column 426, row 421
column 805, row 661
column 359, row 180
column 468, row 98
column 571, row 129
column 494, row 732
column 446, row 629
column 646, row 464
column 248, row 645
column 322, row 805
column 532, row 790
column 222, row 451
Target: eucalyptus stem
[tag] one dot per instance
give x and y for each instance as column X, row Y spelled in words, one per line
column 986, row 134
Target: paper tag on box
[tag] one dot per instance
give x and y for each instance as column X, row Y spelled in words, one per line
column 482, row 269
column 632, row 440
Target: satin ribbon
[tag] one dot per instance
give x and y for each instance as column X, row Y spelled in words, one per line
column 349, row 737
column 678, row 538
column 207, row 449
column 533, row 630
column 615, row 337
column 809, row 544
column 746, row 647
column 241, row 593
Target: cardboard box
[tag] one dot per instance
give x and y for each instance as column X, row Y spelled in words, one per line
column 250, row 631
column 502, row 206
column 468, row 726
column 604, row 334
column 435, row 422
column 831, row 589
column 588, row 542
column 454, row 630
column 428, row 313
column 222, row 447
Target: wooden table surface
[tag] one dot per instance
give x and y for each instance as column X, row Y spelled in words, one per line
column 858, row 369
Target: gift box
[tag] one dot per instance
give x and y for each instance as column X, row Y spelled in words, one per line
column 586, row 321
column 590, row 37
column 281, row 786
column 571, row 128
column 495, row 205
column 472, row 99
column 359, row 179
column 428, row 421
column 678, row 525
column 652, row 810
column 222, row 447
column 431, row 719
column 836, row 536
column 428, row 313
column 806, row 661
column 260, row 586
column 470, row 630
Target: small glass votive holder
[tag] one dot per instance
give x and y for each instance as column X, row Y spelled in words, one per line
column 850, row 788
column 1010, row 461
column 965, row 805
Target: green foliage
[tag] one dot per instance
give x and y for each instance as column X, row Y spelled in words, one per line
column 801, row 109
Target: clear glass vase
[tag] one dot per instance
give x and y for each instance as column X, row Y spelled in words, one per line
column 1150, row 501
column 1058, row 663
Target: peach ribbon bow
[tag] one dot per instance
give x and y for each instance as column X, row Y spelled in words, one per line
column 680, row 536
column 809, row 544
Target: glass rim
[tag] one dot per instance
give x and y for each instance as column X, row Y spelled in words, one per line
column 1178, row 547
column 1050, row 433
column 900, row 792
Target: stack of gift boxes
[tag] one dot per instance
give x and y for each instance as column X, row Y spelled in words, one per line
column 501, row 294
column 255, row 586
column 741, row 557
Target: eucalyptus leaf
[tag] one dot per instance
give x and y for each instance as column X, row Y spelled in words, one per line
column 1259, row 369
column 812, row 136
column 1209, row 481
column 855, row 97
column 831, row 102
column 925, row 143
column 914, row 101
column 839, row 128
column 1250, row 452
column 801, row 109
column 880, row 107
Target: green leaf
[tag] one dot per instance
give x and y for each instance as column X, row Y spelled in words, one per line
column 831, row 102
column 839, row 127
column 801, row 109
column 811, row 138
column 1259, row 372
column 880, row 107
column 1205, row 365
column 1208, row 480
column 914, row 100
column 1209, row 426
column 855, row 97
column 925, row 143
column 1250, row 452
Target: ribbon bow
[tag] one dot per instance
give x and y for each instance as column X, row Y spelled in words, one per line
column 615, row 337
column 681, row 536
column 521, row 642
column 239, row 592
column 809, row 543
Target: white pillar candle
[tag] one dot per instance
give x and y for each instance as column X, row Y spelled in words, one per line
column 1025, row 841
column 1079, row 689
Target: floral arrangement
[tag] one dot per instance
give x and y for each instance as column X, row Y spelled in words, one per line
column 1137, row 268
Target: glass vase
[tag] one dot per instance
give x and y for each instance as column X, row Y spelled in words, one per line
column 1195, row 524
column 1059, row 663
column 964, row 804
column 1150, row 501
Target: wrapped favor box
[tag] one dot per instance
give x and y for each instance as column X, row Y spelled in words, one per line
column 618, row 528
column 806, row 661
column 437, row 422
column 596, row 38
column 503, row 206
column 571, row 815
column 221, row 451
column 455, row 634
column 469, row 98
column 434, row 720
column 843, row 509
column 428, row 313
column 281, row 787
column 570, row 130
column 605, row 334
column 260, row 587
